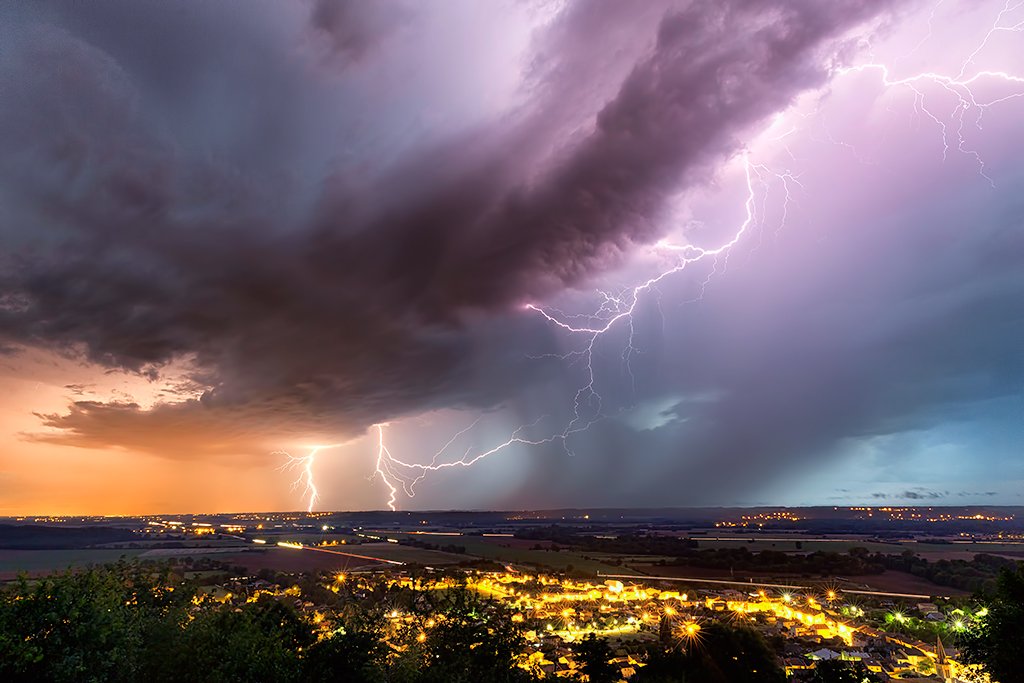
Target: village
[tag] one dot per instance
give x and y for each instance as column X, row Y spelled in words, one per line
column 557, row 612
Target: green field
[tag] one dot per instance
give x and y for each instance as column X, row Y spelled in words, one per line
column 844, row 545
column 403, row 553
column 996, row 548
column 146, row 544
column 491, row 550
column 56, row 560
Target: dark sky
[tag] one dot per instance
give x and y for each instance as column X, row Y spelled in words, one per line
column 661, row 254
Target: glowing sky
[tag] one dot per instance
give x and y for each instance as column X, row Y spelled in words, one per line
column 228, row 234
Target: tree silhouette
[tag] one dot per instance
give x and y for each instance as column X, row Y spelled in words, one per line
column 839, row 671
column 592, row 654
column 995, row 641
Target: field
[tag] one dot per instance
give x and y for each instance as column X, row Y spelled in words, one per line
column 902, row 582
column 508, row 550
column 931, row 551
column 38, row 562
column 706, row 572
column 404, row 553
column 293, row 560
column 164, row 553
column 285, row 560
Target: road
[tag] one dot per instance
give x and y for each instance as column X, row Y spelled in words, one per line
column 759, row 584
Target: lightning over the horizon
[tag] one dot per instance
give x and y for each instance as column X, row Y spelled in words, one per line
column 306, row 478
column 970, row 90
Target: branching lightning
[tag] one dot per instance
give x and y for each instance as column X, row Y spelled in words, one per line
column 617, row 309
column 960, row 86
column 304, row 464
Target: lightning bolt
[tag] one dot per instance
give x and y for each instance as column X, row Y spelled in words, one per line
column 304, row 464
column 384, row 465
column 961, row 86
column 616, row 309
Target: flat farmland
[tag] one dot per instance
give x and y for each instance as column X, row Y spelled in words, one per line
column 164, row 553
column 404, row 553
column 683, row 571
column 962, row 551
column 507, row 550
column 931, row 551
column 902, row 582
column 39, row 562
column 309, row 559
column 288, row 560
column 186, row 543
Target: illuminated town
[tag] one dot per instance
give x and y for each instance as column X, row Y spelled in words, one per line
column 557, row 612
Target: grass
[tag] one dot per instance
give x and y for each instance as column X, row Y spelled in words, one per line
column 403, row 553
column 808, row 545
column 35, row 561
column 492, row 550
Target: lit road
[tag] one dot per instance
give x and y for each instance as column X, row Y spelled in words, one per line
column 299, row 546
column 748, row 584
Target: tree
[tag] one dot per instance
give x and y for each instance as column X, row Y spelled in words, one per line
column 720, row 654
column 839, row 671
column 858, row 552
column 663, row 666
column 256, row 642
column 357, row 649
column 994, row 642
column 473, row 640
column 735, row 655
column 92, row 625
column 593, row 654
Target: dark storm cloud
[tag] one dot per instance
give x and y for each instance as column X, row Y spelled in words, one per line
column 134, row 242
column 713, row 72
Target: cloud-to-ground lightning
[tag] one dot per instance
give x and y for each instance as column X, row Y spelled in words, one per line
column 616, row 310
column 306, row 480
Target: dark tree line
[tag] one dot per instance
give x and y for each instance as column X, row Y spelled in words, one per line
column 820, row 563
column 978, row 574
column 721, row 654
column 627, row 544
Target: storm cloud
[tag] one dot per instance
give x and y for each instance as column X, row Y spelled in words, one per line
column 363, row 310
column 329, row 224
